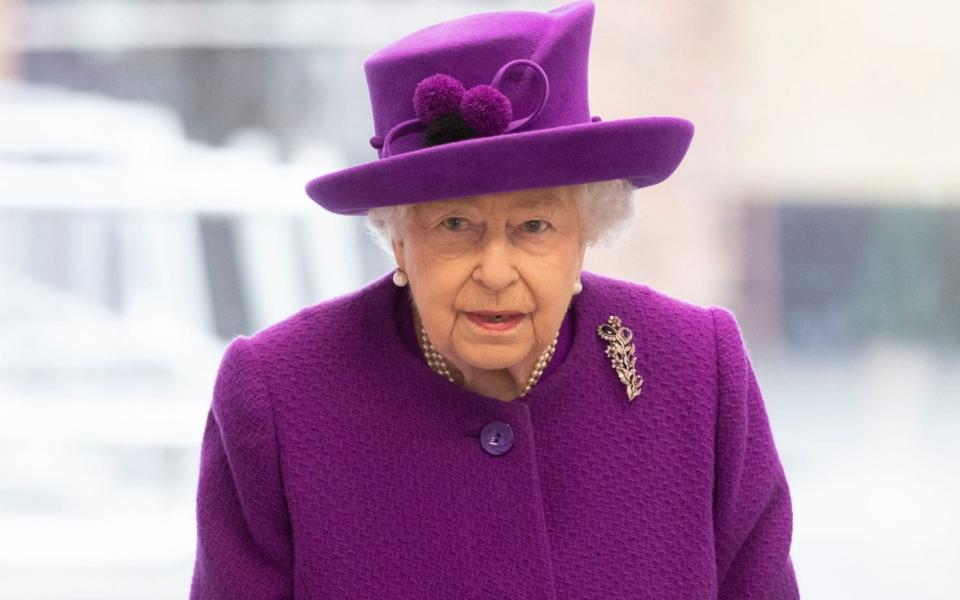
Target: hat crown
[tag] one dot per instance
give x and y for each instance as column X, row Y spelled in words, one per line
column 472, row 49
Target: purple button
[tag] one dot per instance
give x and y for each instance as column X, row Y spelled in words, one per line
column 496, row 437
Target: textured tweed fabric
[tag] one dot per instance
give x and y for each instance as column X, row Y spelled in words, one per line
column 336, row 465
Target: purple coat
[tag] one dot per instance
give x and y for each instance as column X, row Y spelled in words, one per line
column 336, row 464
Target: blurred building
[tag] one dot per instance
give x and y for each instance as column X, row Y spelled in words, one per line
column 820, row 195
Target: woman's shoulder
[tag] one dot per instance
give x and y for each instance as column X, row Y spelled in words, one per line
column 337, row 323
column 667, row 324
column 654, row 306
column 669, row 331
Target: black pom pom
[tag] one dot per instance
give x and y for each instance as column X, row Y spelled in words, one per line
column 447, row 128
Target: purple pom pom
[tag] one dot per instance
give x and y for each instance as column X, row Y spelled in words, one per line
column 486, row 110
column 436, row 96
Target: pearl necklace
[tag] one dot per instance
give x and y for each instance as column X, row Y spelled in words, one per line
column 439, row 364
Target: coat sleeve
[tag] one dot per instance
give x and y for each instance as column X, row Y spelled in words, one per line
column 244, row 543
column 752, row 513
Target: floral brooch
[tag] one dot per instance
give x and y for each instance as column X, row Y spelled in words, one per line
column 622, row 354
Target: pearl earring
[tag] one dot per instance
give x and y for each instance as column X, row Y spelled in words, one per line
column 399, row 278
column 577, row 286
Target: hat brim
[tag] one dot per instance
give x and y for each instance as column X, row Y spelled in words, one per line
column 643, row 150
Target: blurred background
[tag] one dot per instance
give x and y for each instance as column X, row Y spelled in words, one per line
column 153, row 155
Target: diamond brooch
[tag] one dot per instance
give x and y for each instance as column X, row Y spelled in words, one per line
column 622, row 354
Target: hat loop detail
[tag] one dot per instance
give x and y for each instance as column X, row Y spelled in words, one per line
column 416, row 125
column 519, row 123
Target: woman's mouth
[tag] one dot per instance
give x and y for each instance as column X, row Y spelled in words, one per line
column 495, row 321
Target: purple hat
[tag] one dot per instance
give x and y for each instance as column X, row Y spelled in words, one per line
column 494, row 102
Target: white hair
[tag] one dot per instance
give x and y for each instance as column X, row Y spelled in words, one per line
column 606, row 211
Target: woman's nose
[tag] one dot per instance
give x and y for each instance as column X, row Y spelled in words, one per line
column 496, row 269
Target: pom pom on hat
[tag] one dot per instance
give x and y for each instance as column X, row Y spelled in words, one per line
column 486, row 110
column 452, row 113
column 436, row 96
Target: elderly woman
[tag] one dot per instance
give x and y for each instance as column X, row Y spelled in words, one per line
column 490, row 420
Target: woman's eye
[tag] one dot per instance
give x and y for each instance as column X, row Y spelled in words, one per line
column 535, row 226
column 455, row 223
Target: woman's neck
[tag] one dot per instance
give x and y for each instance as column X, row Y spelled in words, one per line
column 499, row 384
column 503, row 384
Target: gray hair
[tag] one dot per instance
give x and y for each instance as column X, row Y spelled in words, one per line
column 606, row 211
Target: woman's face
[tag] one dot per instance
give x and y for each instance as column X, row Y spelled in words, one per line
column 512, row 252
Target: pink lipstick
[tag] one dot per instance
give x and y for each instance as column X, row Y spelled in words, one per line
column 495, row 321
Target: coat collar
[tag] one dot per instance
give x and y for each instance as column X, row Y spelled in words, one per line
column 579, row 348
